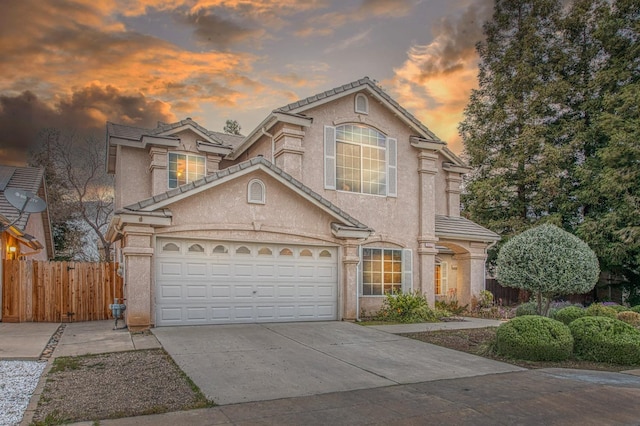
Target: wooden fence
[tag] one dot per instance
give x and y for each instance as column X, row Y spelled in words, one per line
column 41, row 291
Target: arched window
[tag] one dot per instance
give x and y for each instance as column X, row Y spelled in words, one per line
column 172, row 247
column 360, row 159
column 306, row 253
column 196, row 248
column 286, row 252
column 265, row 251
column 243, row 250
column 256, row 192
column 361, row 104
column 325, row 253
column 220, row 249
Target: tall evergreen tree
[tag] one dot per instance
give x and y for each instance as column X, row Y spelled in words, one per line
column 611, row 176
column 517, row 174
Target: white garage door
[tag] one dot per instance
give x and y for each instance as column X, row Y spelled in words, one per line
column 219, row 283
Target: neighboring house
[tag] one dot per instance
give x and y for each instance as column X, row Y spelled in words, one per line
column 325, row 206
column 26, row 236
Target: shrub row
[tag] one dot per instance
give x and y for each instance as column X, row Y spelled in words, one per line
column 593, row 338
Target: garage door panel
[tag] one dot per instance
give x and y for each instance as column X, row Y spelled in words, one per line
column 196, row 269
column 171, row 268
column 196, row 291
column 283, row 283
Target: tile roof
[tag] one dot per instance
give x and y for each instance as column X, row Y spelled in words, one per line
column 254, row 162
column 136, row 133
column 363, row 82
column 461, row 228
column 25, row 178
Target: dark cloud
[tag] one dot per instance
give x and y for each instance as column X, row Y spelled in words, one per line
column 22, row 117
column 455, row 40
column 214, row 30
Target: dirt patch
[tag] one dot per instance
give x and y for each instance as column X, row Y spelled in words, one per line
column 113, row 385
column 479, row 341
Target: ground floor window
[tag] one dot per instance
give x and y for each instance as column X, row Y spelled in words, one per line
column 440, row 279
column 381, row 271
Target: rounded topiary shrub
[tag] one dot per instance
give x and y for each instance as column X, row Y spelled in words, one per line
column 568, row 314
column 635, row 308
column 604, row 339
column 631, row 318
column 600, row 310
column 534, row 338
column 527, row 308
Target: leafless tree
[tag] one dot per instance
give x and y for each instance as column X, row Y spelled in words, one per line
column 84, row 191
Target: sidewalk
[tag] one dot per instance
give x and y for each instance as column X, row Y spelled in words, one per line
column 25, row 341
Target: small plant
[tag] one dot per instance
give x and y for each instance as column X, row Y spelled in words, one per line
column 451, row 306
column 407, row 308
column 527, row 308
column 635, row 309
column 605, row 339
column 631, row 318
column 568, row 314
column 600, row 310
column 534, row 338
column 65, row 363
column 486, row 299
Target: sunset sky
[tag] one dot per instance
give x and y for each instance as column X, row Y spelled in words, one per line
column 74, row 64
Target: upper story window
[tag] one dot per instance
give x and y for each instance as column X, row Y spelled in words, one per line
column 360, row 159
column 185, row 168
column 361, row 104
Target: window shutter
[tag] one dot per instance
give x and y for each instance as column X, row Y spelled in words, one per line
column 407, row 270
column 329, row 157
column 359, row 273
column 392, row 167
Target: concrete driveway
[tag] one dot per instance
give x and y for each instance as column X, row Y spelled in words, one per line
column 257, row 362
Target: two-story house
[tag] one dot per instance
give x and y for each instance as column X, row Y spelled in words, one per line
column 329, row 203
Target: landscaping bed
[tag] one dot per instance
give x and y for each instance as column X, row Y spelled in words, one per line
column 479, row 341
column 113, row 385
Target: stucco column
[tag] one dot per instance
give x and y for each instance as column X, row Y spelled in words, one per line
column 213, row 163
column 349, row 287
column 427, row 236
column 453, row 194
column 288, row 150
column 138, row 289
column 471, row 269
column 158, row 170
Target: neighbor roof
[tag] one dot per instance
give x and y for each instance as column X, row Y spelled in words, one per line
column 25, row 178
column 161, row 200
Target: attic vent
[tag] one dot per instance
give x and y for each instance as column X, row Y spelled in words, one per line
column 362, row 104
column 256, row 192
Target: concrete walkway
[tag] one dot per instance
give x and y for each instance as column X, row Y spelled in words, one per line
column 25, row 341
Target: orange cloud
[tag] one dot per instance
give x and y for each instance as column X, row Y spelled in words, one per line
column 436, row 80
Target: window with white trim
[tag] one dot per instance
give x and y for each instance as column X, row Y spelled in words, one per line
column 185, row 168
column 385, row 270
column 256, row 192
column 361, row 104
column 440, row 279
column 360, row 159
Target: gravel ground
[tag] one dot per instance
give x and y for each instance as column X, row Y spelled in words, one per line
column 18, row 380
column 112, row 385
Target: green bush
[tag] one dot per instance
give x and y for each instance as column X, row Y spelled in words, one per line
column 631, row 318
column 407, row 308
column 600, row 310
column 604, row 339
column 547, row 261
column 452, row 307
column 568, row 314
column 527, row 308
column 635, row 309
column 534, row 338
